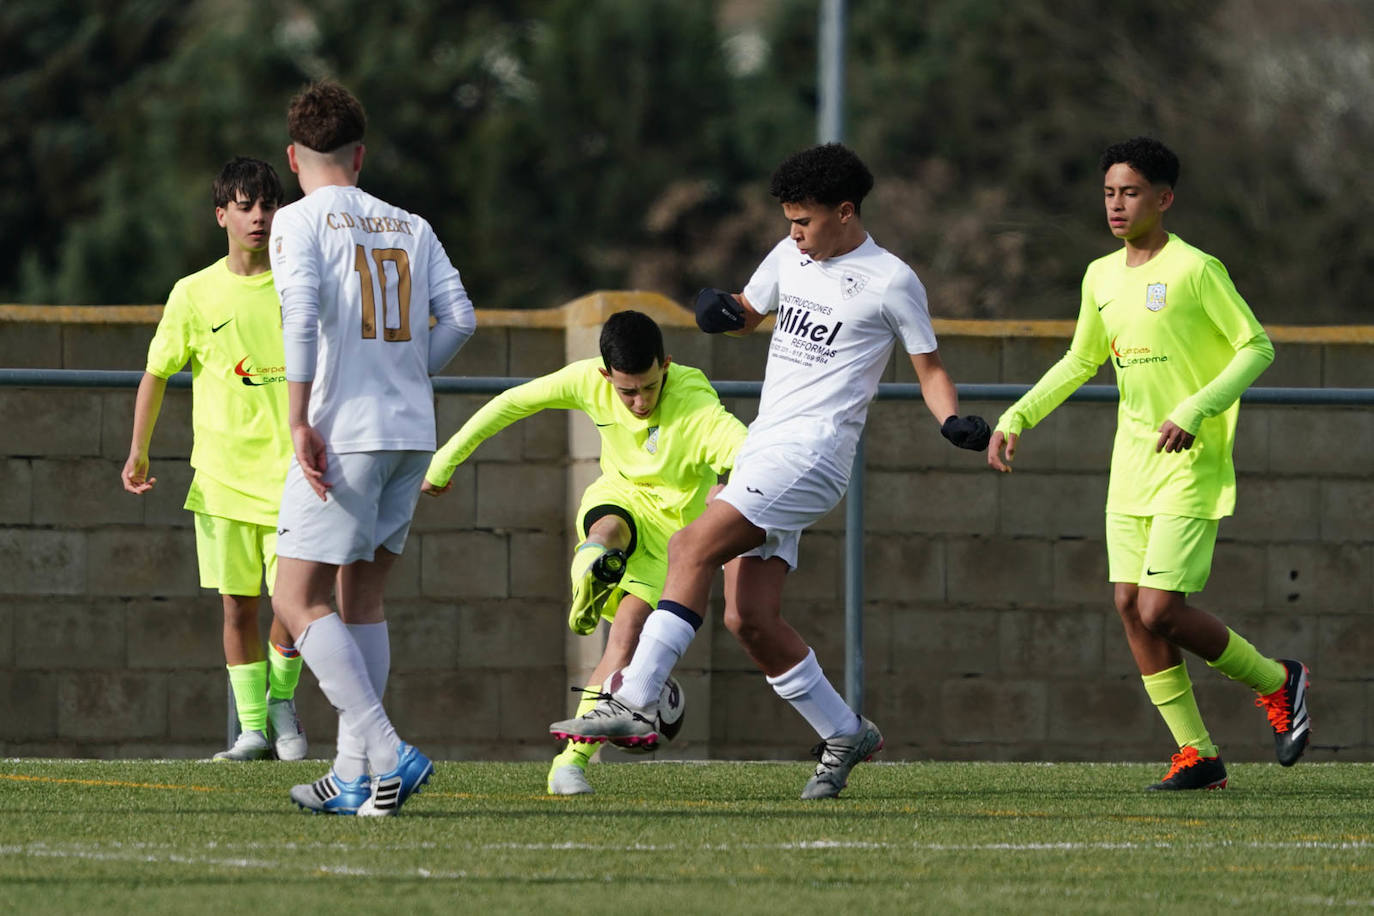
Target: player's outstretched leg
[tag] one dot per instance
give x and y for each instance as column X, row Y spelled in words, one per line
column 1287, row 711
column 835, row 757
column 1188, row 770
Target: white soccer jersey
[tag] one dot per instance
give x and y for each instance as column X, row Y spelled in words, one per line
column 376, row 270
column 836, row 323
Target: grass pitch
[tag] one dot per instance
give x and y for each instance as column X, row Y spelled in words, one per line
column 176, row 837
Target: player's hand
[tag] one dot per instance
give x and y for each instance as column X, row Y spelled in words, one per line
column 969, row 432
column 711, row 493
column 431, row 490
column 1001, row 450
column 135, row 474
column 718, row 311
column 310, row 455
column 1173, row 438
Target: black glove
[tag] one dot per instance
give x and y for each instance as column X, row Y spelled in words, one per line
column 718, row 311
column 969, row 432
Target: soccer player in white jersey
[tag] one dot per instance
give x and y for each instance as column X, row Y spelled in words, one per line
column 358, row 280
column 841, row 304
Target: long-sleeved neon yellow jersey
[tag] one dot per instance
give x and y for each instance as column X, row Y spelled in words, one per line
column 1184, row 346
column 672, row 457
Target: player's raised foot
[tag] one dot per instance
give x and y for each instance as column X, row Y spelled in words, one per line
column 332, row 795
column 288, row 738
column 390, row 790
column 1287, row 711
column 613, row 719
column 595, row 586
column 568, row 779
column 1190, row 771
column 837, row 756
column 249, row 745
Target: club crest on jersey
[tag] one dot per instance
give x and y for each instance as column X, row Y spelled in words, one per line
column 852, row 284
column 1154, row 297
column 651, row 443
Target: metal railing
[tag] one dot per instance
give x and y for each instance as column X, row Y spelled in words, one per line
column 892, row 391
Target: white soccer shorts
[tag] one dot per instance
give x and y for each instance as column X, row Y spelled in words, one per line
column 783, row 490
column 370, row 504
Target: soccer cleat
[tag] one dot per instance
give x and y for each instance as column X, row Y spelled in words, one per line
column 1287, row 711
column 288, row 738
column 1189, row 771
column 332, row 795
column 250, row 745
column 593, row 589
column 569, row 779
column 837, row 756
column 612, row 719
column 390, row 790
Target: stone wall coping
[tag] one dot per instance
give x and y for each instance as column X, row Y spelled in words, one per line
column 592, row 309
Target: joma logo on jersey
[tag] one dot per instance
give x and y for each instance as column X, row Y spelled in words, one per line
column 1154, row 297
column 798, row 321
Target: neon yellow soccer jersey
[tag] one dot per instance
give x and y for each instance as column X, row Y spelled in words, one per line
column 672, row 456
column 229, row 327
column 1169, row 327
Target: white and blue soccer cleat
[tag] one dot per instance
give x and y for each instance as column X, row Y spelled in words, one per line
column 390, row 790
column 332, row 795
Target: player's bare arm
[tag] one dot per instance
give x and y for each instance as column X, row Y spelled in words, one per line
column 147, row 406
column 942, row 399
column 305, row 439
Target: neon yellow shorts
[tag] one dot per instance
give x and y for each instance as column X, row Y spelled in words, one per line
column 650, row 529
column 235, row 557
column 1168, row 552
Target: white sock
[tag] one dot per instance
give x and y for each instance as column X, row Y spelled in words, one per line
column 335, row 660
column 805, row 686
column 664, row 638
column 374, row 642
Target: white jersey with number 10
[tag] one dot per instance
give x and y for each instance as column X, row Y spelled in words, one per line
column 376, row 268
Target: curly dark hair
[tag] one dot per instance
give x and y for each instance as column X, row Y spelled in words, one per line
column 1147, row 156
column 829, row 174
column 255, row 178
column 630, row 342
column 325, row 116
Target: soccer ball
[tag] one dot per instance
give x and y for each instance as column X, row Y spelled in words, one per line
column 672, row 705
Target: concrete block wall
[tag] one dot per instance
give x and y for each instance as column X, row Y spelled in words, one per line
column 989, row 629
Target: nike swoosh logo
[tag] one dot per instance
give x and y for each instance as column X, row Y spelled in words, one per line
column 282, row 530
column 1105, row 304
column 638, row 582
column 1156, row 572
column 602, row 425
column 215, row 330
column 752, row 490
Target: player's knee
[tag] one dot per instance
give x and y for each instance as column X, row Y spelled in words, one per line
column 1158, row 611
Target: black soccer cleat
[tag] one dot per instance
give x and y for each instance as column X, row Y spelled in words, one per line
column 1189, row 771
column 1287, row 711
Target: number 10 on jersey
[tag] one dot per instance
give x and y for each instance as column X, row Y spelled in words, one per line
column 392, row 289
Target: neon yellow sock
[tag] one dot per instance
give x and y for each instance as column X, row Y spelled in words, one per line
column 587, row 553
column 1172, row 693
column 579, row 753
column 250, row 699
column 1242, row 662
column 283, row 672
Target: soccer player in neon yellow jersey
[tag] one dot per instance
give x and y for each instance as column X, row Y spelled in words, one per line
column 226, row 321
column 1184, row 346
column 665, row 439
